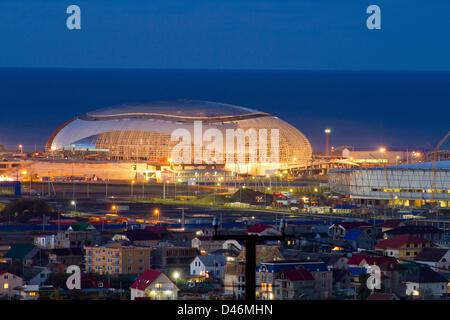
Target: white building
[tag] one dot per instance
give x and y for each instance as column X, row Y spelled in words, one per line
column 408, row 185
column 154, row 285
column 437, row 258
column 9, row 283
column 208, row 266
column 45, row 241
column 425, row 283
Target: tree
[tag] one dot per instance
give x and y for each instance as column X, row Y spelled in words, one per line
column 363, row 292
column 23, row 210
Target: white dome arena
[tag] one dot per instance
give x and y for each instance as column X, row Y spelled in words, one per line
column 142, row 132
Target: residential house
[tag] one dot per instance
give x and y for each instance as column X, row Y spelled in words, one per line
column 262, row 230
column 358, row 239
column 23, row 253
column 323, row 278
column 335, row 261
column 404, row 247
column 208, row 266
column 234, row 279
column 154, row 285
column 28, row 292
column 115, row 258
column 393, row 277
column 437, row 258
column 9, row 283
column 169, row 258
column 429, row 233
column 234, row 271
column 90, row 281
column 36, row 275
column 364, row 260
column 339, row 230
column 78, row 235
column 268, row 271
column 67, row 256
column 206, row 244
column 139, row 237
column 425, row 283
column 342, row 280
column 266, row 274
column 293, row 284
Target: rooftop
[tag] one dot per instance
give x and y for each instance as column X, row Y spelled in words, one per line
column 431, row 254
column 399, row 241
column 179, row 110
column 425, row 275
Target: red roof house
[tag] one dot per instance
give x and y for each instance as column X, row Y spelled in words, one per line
column 400, row 241
column 261, row 229
column 300, row 274
column 155, row 285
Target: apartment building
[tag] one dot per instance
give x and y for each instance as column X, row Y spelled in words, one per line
column 116, row 258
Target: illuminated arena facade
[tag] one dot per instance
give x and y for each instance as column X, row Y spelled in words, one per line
column 142, row 132
column 411, row 185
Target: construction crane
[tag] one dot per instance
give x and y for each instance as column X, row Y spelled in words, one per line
column 435, row 159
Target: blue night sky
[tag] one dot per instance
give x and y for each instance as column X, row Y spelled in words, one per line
column 230, row 34
column 363, row 106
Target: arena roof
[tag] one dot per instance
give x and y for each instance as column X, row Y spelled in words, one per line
column 440, row 165
column 174, row 110
column 422, row 165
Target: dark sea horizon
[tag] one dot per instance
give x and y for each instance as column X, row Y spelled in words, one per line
column 394, row 109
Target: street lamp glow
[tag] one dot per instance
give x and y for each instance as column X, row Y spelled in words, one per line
column 156, row 211
column 72, row 202
column 327, row 130
column 176, row 275
column 382, row 149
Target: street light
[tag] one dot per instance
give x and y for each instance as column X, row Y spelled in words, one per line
column 156, row 212
column 327, row 142
column 73, row 203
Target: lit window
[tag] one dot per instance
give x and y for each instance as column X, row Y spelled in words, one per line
column 6, row 286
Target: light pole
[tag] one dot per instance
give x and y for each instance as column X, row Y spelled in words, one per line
column 327, row 142
column 131, row 186
column 156, row 212
column 74, row 203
